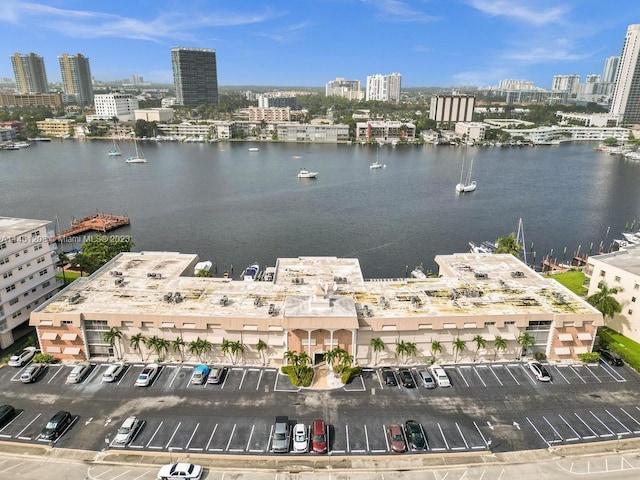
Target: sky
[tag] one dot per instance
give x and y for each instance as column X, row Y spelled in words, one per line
column 307, row 43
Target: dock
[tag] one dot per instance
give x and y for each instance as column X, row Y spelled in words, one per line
column 98, row 222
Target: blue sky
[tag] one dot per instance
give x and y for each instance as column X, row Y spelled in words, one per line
column 310, row 42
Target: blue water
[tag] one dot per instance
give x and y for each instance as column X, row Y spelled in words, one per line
column 236, row 207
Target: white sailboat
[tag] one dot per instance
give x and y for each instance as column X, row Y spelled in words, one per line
column 137, row 158
column 468, row 185
column 115, row 151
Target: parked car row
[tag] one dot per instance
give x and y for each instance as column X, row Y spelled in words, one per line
column 435, row 376
column 411, row 436
column 54, row 428
column 304, row 439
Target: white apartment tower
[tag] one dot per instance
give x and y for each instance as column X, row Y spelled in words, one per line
column 610, row 69
column 27, row 272
column 384, row 88
column 118, row 105
column 565, row 83
column 452, row 108
column 626, row 94
column 349, row 89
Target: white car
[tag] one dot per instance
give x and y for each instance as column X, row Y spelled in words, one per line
column 32, row 372
column 25, row 356
column 113, row 372
column 179, row 471
column 147, row 375
column 127, row 431
column 78, row 373
column 539, row 371
column 440, row 376
column 300, row 438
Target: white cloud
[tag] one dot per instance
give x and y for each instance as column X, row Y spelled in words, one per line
column 557, row 51
column 529, row 11
column 484, row 77
column 398, row 11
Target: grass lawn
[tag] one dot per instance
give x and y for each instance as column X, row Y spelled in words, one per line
column 623, row 346
column 69, row 276
column 573, row 280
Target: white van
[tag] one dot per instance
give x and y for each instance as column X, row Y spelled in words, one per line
column 440, row 376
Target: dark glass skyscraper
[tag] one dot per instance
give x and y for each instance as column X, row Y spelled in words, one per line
column 195, row 76
column 76, row 78
column 31, row 76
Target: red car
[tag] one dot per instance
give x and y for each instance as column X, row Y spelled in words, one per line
column 396, row 438
column 319, row 436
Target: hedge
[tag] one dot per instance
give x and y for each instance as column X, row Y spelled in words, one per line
column 617, row 343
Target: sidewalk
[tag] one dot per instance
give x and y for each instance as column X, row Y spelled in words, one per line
column 324, row 379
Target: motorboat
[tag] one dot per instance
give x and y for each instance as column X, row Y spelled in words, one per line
column 475, row 248
column 11, row 146
column 137, row 158
column 22, row 144
column 632, row 238
column 304, row 173
column 468, row 185
column 251, row 272
column 418, row 273
column 202, row 266
column 254, row 149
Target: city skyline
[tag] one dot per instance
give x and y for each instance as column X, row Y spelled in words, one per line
column 430, row 43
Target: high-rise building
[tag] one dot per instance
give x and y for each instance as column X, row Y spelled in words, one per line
column 626, row 94
column 195, row 76
column 384, row 88
column 119, row 105
column 452, row 108
column 610, row 69
column 76, row 78
column 349, row 89
column 565, row 83
column 31, row 76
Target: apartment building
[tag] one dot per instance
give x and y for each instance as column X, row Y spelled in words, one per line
column 349, row 89
column 555, row 134
column 27, row 272
column 56, row 127
column 452, row 108
column 313, row 304
column 384, row 88
column 76, row 79
column 154, row 114
column 269, row 114
column 195, row 76
column 385, row 132
column 110, row 105
column 626, row 95
column 619, row 270
column 30, row 73
column 53, row 100
column 471, row 131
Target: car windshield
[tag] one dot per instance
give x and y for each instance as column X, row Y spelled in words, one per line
column 279, row 436
column 318, row 438
column 124, row 430
column 143, row 376
column 300, row 437
column 397, row 437
column 52, row 424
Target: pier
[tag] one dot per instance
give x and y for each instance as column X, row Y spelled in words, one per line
column 98, row 222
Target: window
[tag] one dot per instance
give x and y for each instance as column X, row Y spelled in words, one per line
column 10, row 287
column 425, row 326
column 43, row 272
column 569, row 324
column 602, row 273
column 636, row 287
column 46, row 284
column 17, row 254
column 633, row 299
column 449, row 325
column 489, row 324
column 3, row 245
column 8, row 274
column 617, row 279
column 67, row 322
column 509, row 323
column 630, row 312
column 13, row 301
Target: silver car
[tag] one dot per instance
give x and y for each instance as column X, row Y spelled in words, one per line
column 127, row 430
column 78, row 373
column 426, row 378
column 32, row 372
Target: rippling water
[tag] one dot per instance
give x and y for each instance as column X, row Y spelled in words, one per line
column 234, row 207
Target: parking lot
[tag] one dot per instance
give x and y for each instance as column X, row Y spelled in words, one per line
column 495, row 407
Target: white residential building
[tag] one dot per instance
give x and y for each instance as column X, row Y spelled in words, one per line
column 384, row 88
column 610, row 69
column 556, row 134
column 154, row 114
column 565, row 83
column 472, row 131
column 109, row 105
column 27, row 272
column 626, row 95
column 452, row 108
column 349, row 89
column 620, row 270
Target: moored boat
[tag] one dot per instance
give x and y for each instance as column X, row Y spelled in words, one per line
column 304, row 173
column 418, row 273
column 251, row 272
column 254, row 149
column 376, row 165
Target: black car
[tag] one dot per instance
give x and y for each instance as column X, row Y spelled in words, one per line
column 406, row 378
column 7, row 412
column 611, row 358
column 415, row 435
column 56, row 426
column 389, row 377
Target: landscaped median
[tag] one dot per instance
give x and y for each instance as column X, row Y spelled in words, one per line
column 615, row 342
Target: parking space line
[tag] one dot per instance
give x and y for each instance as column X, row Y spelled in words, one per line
column 366, row 436
column 460, row 372
column 12, row 420
column 259, row 378
column 461, row 435
column 572, row 439
column 154, row 434
column 379, row 379
column 19, row 435
column 486, row 445
column 593, row 374
column 231, row 437
column 511, row 373
column 144, row 474
column 496, row 376
column 556, row 435
column 621, row 424
column 244, row 374
column 211, row 437
column 12, row 467
column 386, row 439
column 122, row 474
column 478, row 375
column 253, row 427
column 446, row 444
column 594, row 434
column 124, row 374
column 527, row 372
column 191, row 438
column 538, row 432
column 578, row 375
column 557, row 367
column 175, row 375
column 55, row 374
column 611, row 433
column 612, row 372
column 632, row 418
column 92, row 374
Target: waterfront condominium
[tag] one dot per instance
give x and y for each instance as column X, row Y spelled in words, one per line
column 384, row 88
column 195, row 76
column 76, row 78
column 452, row 108
column 626, row 95
column 31, row 76
column 27, row 273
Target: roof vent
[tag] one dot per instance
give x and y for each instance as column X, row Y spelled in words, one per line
column 224, row 301
column 73, row 299
column 481, row 275
column 119, row 281
column 517, row 274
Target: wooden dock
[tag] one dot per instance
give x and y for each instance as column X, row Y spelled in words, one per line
column 99, row 222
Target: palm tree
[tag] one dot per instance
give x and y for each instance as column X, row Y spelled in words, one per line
column 195, row 348
column 111, row 336
column 162, row 348
column 480, row 343
column 436, row 348
column 410, row 350
column 135, row 341
column 378, row 345
column 401, row 349
column 290, row 357
column 605, row 301
column 459, row 346
column 177, row 346
column 499, row 344
column 509, row 244
column 525, row 340
column 152, row 344
column 330, row 356
column 262, row 349
column 235, row 348
column 225, row 347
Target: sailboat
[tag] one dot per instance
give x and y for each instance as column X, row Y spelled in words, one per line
column 138, row 158
column 468, row 185
column 115, row 151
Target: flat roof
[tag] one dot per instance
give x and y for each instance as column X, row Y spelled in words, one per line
column 12, row 227
column 627, row 259
column 308, row 288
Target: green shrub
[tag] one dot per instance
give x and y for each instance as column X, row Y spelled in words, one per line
column 589, row 357
column 348, row 373
column 44, row 358
column 539, row 356
column 617, row 343
column 302, row 378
